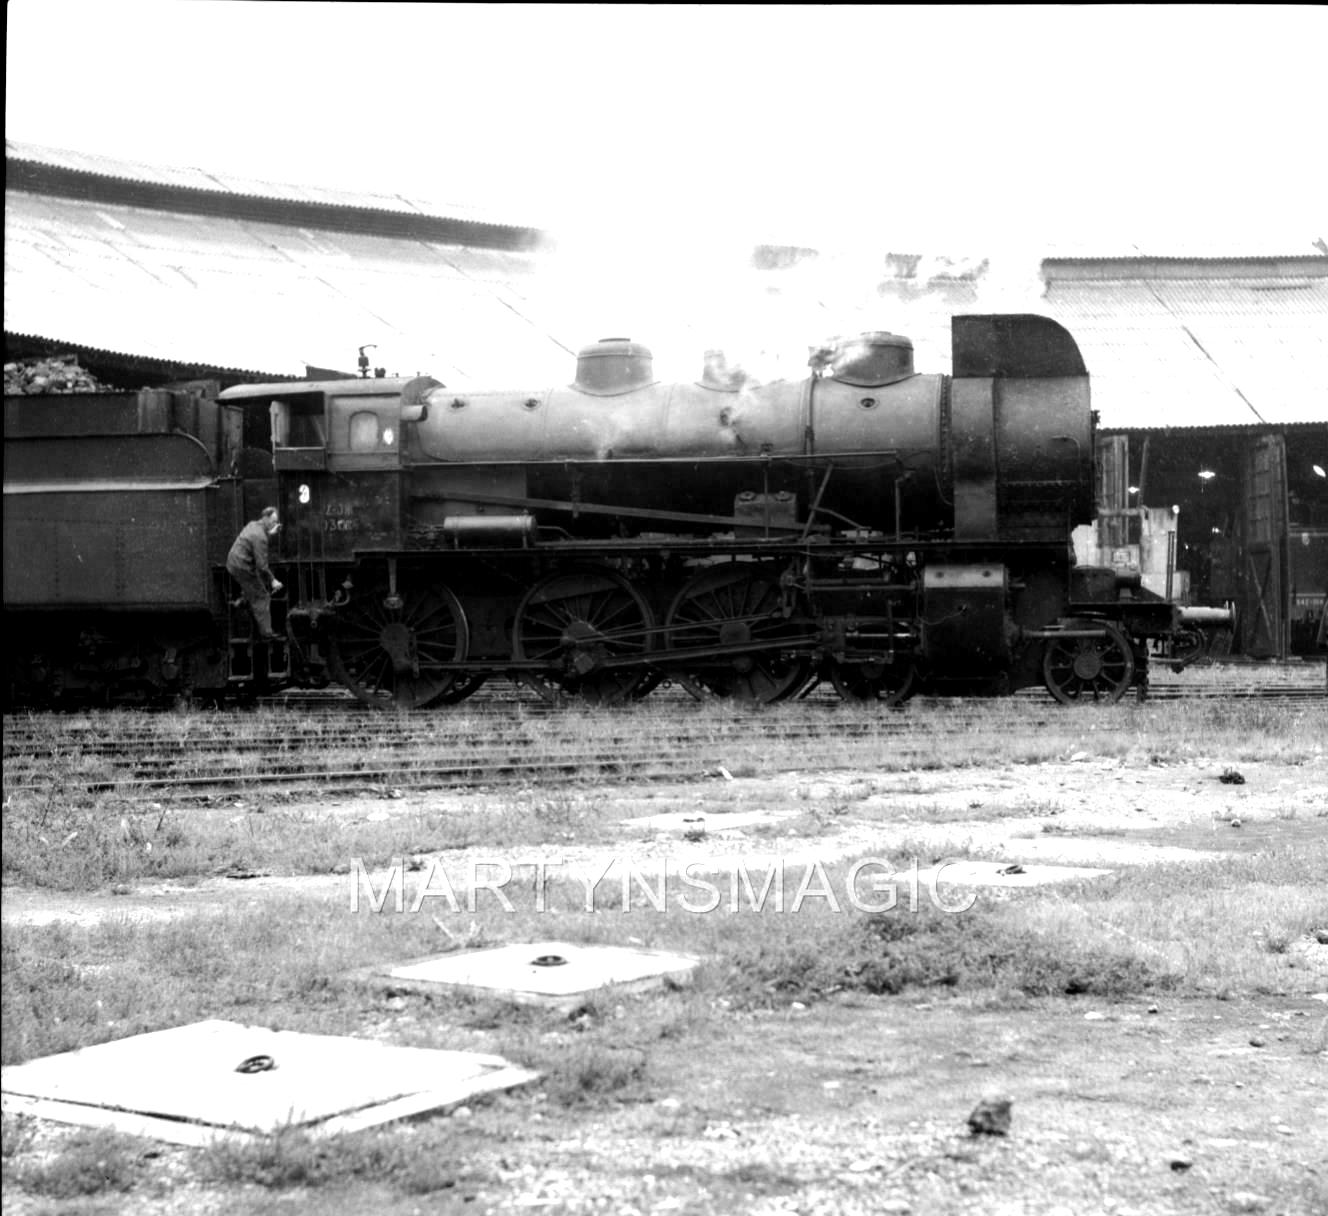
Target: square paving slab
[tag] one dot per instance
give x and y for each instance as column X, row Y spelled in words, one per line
column 997, row 874
column 195, row 1083
column 694, row 821
column 541, row 973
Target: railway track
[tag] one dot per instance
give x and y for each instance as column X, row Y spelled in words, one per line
column 327, row 744
column 485, row 747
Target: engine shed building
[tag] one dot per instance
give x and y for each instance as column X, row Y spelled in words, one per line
column 1209, row 371
column 1211, row 377
column 1239, row 517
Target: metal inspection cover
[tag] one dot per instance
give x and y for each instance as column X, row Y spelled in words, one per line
column 997, row 874
column 193, row 1084
column 553, row 973
column 693, row 821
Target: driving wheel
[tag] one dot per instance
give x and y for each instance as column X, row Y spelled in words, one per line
column 740, row 612
column 389, row 650
column 586, row 629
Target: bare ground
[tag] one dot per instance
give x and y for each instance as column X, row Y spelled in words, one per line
column 1196, row 1105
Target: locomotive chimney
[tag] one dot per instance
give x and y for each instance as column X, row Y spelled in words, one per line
column 612, row 366
column 873, row 359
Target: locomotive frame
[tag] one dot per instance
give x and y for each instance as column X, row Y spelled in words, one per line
column 881, row 530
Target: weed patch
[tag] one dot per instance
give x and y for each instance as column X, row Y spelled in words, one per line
column 90, row 1162
column 984, row 949
column 414, row 1160
column 576, row 1073
column 17, row 1133
column 292, row 1157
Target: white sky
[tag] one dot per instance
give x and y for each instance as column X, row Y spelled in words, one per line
column 658, row 143
column 930, row 127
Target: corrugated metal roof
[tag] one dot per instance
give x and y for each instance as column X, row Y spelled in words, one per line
column 234, row 293
column 1253, row 428
column 175, row 368
column 190, row 178
column 1185, row 247
column 1203, row 352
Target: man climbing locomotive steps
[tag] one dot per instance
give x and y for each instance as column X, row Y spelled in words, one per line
column 248, row 565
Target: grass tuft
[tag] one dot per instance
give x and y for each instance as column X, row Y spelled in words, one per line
column 986, row 949
column 413, row 1159
column 90, row 1162
column 591, row 1071
column 17, row 1133
column 291, row 1157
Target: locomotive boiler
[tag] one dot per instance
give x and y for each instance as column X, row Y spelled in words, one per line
column 867, row 525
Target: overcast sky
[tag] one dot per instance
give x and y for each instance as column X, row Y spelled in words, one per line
column 934, row 127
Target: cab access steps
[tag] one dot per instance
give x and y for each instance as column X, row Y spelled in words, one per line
column 249, row 659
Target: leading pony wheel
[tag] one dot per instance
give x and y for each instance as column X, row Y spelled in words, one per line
column 1096, row 666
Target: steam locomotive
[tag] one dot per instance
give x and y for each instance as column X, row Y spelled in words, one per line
column 869, row 526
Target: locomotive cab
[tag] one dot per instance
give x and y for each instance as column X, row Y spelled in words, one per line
column 338, row 449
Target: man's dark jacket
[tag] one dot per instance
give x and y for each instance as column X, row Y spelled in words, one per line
column 248, row 554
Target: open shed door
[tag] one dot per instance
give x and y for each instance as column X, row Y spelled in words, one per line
column 1113, row 494
column 1264, row 616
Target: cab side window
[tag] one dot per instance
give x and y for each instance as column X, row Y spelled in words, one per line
column 364, row 431
column 306, row 426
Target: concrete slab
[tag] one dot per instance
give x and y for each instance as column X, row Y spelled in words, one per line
column 560, row 974
column 997, row 874
column 1113, row 851
column 193, row 1084
column 692, row 821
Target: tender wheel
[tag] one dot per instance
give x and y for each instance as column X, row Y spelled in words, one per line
column 390, row 655
column 577, row 623
column 1089, row 669
column 888, row 683
column 737, row 605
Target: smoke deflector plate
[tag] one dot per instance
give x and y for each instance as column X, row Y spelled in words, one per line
column 193, row 1084
column 540, row 973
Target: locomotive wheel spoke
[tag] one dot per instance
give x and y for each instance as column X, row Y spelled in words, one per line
column 576, row 622
column 391, row 658
column 888, row 683
column 737, row 605
column 1097, row 669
